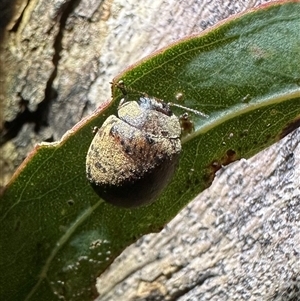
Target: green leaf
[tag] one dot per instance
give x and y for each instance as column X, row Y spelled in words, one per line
column 57, row 235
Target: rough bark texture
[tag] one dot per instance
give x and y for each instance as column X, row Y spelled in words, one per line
column 241, row 240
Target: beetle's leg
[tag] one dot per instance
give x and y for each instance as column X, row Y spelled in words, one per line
column 196, row 112
column 120, row 84
column 187, row 125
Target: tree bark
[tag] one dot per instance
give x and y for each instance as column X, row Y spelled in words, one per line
column 240, row 240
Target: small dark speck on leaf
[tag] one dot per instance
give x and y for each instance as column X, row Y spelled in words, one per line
column 268, row 138
column 244, row 133
column 70, row 202
column 229, row 157
column 230, row 153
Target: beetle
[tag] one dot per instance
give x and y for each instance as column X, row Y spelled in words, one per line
column 133, row 157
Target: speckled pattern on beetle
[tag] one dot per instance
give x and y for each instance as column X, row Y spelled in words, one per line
column 133, row 156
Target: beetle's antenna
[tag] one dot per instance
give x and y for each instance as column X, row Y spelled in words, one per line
column 121, row 85
column 188, row 109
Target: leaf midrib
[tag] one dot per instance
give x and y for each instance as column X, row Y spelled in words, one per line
column 240, row 109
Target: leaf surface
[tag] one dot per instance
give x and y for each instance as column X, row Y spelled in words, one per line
column 56, row 234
